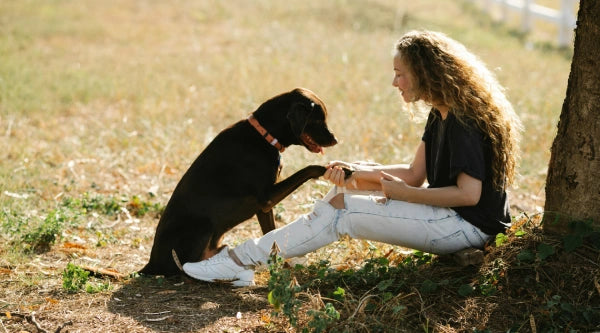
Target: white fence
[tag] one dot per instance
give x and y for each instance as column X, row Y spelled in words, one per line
column 564, row 17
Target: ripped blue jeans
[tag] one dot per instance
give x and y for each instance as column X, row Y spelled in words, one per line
column 367, row 216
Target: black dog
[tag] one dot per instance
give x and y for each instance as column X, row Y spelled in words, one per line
column 235, row 177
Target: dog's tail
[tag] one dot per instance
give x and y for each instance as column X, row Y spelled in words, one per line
column 176, row 259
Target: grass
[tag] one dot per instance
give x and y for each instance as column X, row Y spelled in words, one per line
column 521, row 286
column 103, row 106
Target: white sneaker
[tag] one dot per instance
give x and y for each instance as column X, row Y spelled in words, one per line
column 221, row 267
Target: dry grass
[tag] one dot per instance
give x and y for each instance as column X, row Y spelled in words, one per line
column 115, row 99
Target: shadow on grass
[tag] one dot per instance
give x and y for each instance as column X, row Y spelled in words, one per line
column 532, row 281
column 179, row 304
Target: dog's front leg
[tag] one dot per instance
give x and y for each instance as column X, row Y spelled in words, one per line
column 281, row 190
column 285, row 187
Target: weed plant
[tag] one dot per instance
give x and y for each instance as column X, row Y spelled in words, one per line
column 384, row 291
column 37, row 233
column 76, row 279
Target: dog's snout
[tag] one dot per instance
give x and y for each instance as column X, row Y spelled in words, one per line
column 330, row 138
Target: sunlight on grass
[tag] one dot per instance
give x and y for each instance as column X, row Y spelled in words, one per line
column 120, row 99
column 116, row 99
column 88, row 80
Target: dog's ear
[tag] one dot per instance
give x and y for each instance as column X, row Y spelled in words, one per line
column 297, row 117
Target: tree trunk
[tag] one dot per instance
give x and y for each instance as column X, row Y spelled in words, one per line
column 573, row 183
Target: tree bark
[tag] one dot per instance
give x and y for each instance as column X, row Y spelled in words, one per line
column 573, row 182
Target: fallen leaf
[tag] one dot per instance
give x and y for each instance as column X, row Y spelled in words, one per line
column 265, row 318
column 169, row 170
column 341, row 267
column 70, row 245
column 532, row 323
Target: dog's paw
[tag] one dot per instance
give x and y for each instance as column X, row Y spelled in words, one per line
column 347, row 172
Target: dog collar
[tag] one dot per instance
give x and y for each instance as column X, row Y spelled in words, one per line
column 270, row 139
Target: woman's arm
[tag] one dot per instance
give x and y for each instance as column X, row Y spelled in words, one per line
column 368, row 177
column 467, row 191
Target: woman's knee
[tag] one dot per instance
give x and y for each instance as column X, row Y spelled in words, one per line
column 337, row 201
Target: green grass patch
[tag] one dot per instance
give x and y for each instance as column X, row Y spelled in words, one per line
column 38, row 232
column 76, row 279
column 385, row 291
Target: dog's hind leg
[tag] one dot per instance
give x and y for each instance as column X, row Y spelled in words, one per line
column 214, row 245
column 195, row 248
column 266, row 220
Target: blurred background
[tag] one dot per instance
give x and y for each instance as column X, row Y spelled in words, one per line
column 117, row 98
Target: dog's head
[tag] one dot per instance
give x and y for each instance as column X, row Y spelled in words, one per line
column 307, row 118
column 297, row 117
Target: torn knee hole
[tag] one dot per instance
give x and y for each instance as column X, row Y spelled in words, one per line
column 337, row 201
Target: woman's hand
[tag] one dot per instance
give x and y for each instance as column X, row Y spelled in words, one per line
column 363, row 176
column 337, row 176
column 394, row 187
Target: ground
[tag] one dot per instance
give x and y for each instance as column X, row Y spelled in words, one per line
column 520, row 291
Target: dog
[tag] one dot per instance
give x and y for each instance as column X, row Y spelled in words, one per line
column 235, row 178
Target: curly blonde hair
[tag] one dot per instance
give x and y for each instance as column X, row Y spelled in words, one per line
column 446, row 73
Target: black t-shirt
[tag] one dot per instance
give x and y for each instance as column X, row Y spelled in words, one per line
column 451, row 148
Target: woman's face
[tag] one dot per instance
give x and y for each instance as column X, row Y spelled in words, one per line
column 404, row 80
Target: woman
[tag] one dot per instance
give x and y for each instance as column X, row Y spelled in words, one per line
column 468, row 155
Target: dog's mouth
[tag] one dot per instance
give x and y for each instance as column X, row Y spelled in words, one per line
column 310, row 144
